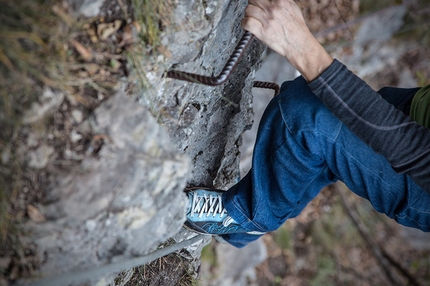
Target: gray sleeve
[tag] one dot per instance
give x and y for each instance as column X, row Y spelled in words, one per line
column 403, row 142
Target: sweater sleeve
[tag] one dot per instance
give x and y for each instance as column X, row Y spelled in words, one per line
column 403, row 142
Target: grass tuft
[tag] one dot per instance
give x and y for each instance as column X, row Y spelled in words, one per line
column 154, row 16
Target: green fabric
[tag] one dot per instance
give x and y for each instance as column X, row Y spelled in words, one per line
column 420, row 107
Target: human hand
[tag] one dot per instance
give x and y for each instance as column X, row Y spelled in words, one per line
column 281, row 26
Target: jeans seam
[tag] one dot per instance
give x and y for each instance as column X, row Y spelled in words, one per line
column 311, row 130
column 265, row 163
column 258, row 226
column 239, row 208
column 418, row 210
column 368, row 170
column 405, row 215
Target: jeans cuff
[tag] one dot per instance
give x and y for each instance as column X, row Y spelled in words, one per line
column 236, row 212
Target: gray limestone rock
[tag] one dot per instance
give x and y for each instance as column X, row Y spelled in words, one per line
column 127, row 198
column 209, row 121
column 122, row 203
column 50, row 101
column 206, row 123
column 88, row 8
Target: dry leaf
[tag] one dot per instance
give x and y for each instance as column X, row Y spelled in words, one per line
column 85, row 54
column 106, row 30
column 164, row 51
column 59, row 11
column 127, row 36
column 136, row 26
column 34, row 214
column 92, row 69
column 115, row 64
column 130, row 33
column 92, row 34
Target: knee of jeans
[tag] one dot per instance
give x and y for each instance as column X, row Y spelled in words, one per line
column 288, row 86
column 298, row 93
column 302, row 110
column 284, row 86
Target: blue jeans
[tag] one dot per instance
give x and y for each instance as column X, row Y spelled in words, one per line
column 302, row 147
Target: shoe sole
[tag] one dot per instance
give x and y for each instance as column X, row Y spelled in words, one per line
column 193, row 230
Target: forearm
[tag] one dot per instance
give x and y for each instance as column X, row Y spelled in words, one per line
column 312, row 61
column 404, row 143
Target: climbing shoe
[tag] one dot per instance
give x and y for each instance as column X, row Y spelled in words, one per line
column 207, row 215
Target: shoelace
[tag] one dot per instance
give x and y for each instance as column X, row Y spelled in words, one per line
column 204, row 205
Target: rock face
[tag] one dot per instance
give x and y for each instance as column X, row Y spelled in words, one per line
column 121, row 204
column 129, row 198
column 204, row 122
